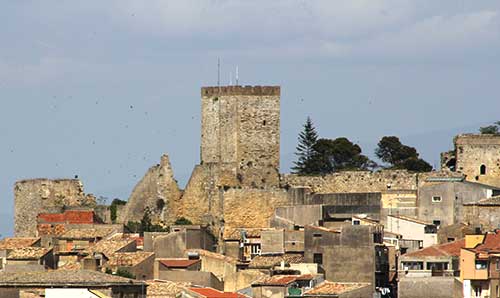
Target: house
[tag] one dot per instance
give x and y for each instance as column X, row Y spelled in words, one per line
column 29, row 259
column 280, row 286
column 182, row 238
column 483, row 213
column 329, row 289
column 11, row 284
column 221, row 266
column 354, row 253
column 8, row 244
column 480, row 265
column 140, row 264
column 412, row 229
column 95, row 256
column 243, row 243
column 440, row 201
column 165, row 288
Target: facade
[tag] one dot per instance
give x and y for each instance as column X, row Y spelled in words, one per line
column 441, row 203
column 483, row 214
column 140, row 264
column 281, row 286
column 175, row 244
column 413, row 229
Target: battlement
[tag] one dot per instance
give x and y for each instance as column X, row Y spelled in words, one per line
column 477, row 139
column 241, row 90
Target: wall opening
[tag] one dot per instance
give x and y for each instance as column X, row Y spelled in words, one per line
column 482, row 170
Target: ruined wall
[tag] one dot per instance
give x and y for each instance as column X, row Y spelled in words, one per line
column 158, row 191
column 35, row 196
column 474, row 151
column 240, row 128
column 354, row 181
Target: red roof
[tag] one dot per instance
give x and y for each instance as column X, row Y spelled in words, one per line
column 70, row 217
column 451, row 249
column 177, row 263
column 213, row 293
column 491, row 242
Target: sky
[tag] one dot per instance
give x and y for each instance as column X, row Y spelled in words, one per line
column 101, row 89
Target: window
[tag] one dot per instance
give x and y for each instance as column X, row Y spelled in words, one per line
column 437, row 223
column 436, row 199
column 482, row 170
column 318, row 259
column 451, row 239
column 498, row 265
column 356, row 222
column 437, row 266
column 413, row 265
column 481, row 265
column 316, row 235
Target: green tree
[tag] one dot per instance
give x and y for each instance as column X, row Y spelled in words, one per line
column 182, row 221
column 493, row 129
column 399, row 156
column 307, row 139
column 113, row 208
column 338, row 155
column 145, row 225
column 124, row 273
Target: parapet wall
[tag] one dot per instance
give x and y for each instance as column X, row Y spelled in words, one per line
column 241, row 90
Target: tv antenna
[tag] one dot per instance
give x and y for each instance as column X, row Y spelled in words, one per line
column 218, row 72
column 236, row 75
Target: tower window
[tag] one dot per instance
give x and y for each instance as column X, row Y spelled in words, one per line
column 264, row 123
column 482, row 170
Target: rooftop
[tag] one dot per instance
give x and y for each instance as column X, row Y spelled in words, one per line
column 72, row 278
column 128, row 258
column 108, row 247
column 334, row 288
column 491, row 243
column 269, row 261
column 406, row 218
column 213, row 293
column 12, row 243
column 214, row 255
column 236, row 233
column 69, row 216
column 281, row 280
column 451, row 249
column 179, row 263
column 100, row 232
column 323, row 229
column 28, row 253
column 493, row 201
column 164, row 288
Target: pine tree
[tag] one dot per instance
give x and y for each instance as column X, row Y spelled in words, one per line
column 307, row 139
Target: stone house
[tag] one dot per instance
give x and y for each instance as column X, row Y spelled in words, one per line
column 140, row 264
column 96, row 256
column 243, row 243
column 11, row 284
column 483, row 214
column 182, row 238
column 223, row 267
column 30, row 259
column 412, row 229
column 441, row 203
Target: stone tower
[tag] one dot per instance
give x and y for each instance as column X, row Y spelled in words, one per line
column 240, row 133
column 477, row 156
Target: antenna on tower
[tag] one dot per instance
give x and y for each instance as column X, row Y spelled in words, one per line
column 236, row 75
column 218, row 72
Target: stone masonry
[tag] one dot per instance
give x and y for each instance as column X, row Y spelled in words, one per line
column 35, row 196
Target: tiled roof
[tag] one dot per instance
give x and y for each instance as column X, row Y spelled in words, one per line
column 493, row 201
column 88, row 233
column 108, row 247
column 451, row 249
column 84, row 278
column 213, row 293
column 178, row 263
column 491, row 243
column 281, row 280
column 128, row 258
column 27, row 253
column 334, row 288
column 214, row 255
column 18, row 242
column 269, row 261
column 165, row 289
column 415, row 220
column 69, row 216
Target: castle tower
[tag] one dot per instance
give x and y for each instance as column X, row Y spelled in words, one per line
column 240, row 132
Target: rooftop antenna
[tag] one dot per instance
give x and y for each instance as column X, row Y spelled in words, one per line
column 236, row 75
column 230, row 78
column 218, row 72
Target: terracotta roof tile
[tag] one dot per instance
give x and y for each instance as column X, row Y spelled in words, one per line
column 128, row 258
column 63, row 277
column 213, row 293
column 281, row 280
column 269, row 261
column 18, row 242
column 165, row 289
column 179, row 263
column 491, row 243
column 451, row 249
column 334, row 288
column 214, row 255
column 88, row 233
column 108, row 247
column 27, row 253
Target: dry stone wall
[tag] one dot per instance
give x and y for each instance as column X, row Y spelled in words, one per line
column 32, row 197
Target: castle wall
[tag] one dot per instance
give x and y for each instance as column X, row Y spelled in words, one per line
column 473, row 151
column 157, row 191
column 35, row 196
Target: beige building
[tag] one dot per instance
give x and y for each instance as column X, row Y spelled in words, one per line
column 412, row 229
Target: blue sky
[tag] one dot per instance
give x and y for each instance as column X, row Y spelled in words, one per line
column 102, row 89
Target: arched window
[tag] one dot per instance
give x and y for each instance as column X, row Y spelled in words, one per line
column 482, row 170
